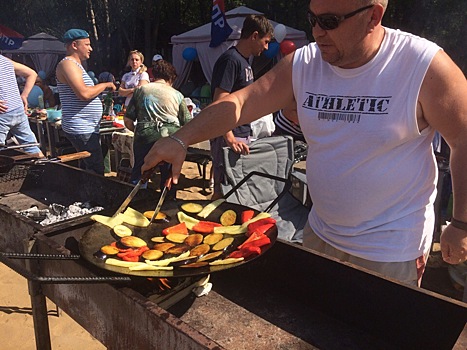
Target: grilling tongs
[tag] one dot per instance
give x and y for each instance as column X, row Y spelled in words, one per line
column 144, row 178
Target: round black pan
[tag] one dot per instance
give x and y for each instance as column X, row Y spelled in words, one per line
column 99, row 235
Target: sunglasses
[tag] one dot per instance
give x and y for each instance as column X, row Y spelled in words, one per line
column 330, row 22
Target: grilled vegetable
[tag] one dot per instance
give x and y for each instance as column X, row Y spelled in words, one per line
column 208, row 209
column 120, row 263
column 193, row 240
column 163, row 246
column 231, row 230
column 205, row 227
column 213, row 238
column 245, row 252
column 181, row 262
column 133, row 242
column 109, row 250
column 261, row 226
column 107, row 220
column 247, row 215
column 135, row 218
column 178, row 229
column 228, row 217
column 152, row 254
column 221, row 245
column 192, row 208
column 226, row 261
column 200, row 250
column 188, row 220
column 160, row 217
column 255, row 240
column 210, row 256
column 122, row 231
column 167, row 261
column 260, row 216
column 176, row 237
column 177, row 250
column 147, row 267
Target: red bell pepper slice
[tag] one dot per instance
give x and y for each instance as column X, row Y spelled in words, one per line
column 205, row 227
column 133, row 253
column 179, row 228
column 254, row 225
column 245, row 252
column 264, row 240
column 254, row 236
column 131, row 258
column 247, row 215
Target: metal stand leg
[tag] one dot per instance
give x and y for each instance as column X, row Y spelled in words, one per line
column 39, row 315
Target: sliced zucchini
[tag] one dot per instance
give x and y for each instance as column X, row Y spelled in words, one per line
column 122, row 230
column 231, row 230
column 228, row 217
column 188, row 220
column 192, row 208
column 208, row 209
column 226, row 261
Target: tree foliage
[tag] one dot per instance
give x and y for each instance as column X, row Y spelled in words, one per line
column 118, row 26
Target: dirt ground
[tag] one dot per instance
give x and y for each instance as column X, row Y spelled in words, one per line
column 16, row 324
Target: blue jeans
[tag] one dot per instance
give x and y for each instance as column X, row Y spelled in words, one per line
column 92, row 144
column 18, row 125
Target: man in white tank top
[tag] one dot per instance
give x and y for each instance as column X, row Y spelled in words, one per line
column 369, row 100
column 81, row 106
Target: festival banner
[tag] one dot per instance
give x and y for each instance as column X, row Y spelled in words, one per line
column 9, row 39
column 220, row 29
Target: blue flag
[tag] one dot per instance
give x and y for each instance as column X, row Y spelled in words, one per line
column 220, row 29
column 9, row 39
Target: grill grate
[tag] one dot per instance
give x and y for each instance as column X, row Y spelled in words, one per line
column 18, row 172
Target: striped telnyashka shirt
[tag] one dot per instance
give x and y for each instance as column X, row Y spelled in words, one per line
column 78, row 116
column 9, row 90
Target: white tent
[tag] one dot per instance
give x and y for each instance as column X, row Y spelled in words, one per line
column 199, row 38
column 43, row 49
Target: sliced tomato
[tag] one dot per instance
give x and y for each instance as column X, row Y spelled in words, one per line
column 179, row 228
column 205, row 227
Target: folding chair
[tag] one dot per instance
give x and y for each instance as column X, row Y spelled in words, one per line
column 261, row 180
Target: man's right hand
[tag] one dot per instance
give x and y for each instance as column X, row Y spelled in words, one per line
column 111, row 86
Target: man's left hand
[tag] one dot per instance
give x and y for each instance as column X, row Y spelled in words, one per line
column 3, row 106
column 454, row 245
column 239, row 147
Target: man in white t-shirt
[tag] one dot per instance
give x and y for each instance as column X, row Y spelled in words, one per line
column 369, row 99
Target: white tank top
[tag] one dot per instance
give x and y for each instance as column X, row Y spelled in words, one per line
column 371, row 174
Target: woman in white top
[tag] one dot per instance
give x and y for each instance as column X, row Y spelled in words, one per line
column 137, row 77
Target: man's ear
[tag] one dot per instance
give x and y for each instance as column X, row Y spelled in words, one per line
column 255, row 35
column 376, row 16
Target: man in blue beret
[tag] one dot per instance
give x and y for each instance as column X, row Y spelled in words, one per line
column 81, row 106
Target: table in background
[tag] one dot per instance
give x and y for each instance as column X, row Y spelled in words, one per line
column 55, row 135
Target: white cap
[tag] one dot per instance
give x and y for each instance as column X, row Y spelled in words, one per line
column 157, row 58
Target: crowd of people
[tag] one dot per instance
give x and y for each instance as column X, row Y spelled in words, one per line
column 367, row 100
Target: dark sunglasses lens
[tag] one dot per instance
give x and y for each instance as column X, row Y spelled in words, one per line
column 328, row 22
